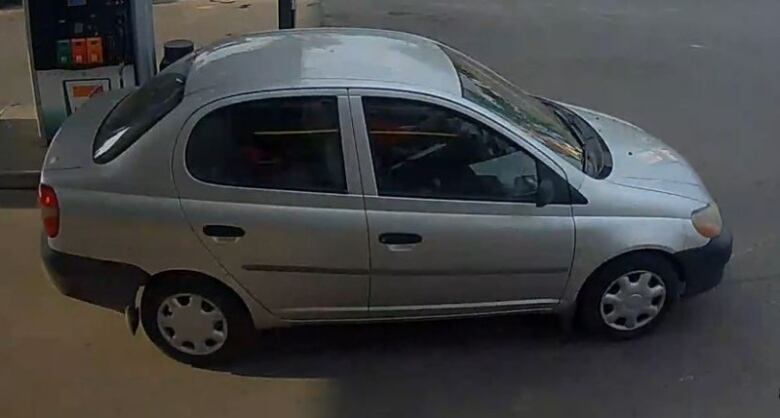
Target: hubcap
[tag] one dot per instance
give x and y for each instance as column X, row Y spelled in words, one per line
column 192, row 324
column 633, row 300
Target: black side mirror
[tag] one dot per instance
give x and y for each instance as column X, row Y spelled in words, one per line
column 545, row 194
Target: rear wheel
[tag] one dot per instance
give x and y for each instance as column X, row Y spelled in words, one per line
column 629, row 296
column 195, row 320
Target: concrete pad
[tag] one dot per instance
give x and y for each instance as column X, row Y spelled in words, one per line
column 15, row 83
column 66, row 359
column 308, row 14
column 21, row 149
column 205, row 21
column 714, row 357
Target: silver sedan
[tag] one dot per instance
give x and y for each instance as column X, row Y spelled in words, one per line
column 349, row 175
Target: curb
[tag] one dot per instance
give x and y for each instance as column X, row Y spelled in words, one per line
column 20, row 180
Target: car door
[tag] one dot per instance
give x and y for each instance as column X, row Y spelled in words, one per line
column 451, row 204
column 270, row 185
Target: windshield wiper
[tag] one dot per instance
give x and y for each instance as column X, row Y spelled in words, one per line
column 561, row 113
column 575, row 131
column 590, row 160
column 571, row 126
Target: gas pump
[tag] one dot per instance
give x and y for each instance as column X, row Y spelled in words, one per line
column 79, row 48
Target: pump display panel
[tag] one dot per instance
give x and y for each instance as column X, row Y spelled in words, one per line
column 80, row 34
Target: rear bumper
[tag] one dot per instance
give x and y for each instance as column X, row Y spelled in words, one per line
column 108, row 284
column 703, row 267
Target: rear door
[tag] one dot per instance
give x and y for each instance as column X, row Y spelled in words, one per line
column 450, row 200
column 270, row 185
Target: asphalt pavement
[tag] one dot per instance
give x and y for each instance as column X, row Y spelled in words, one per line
column 702, row 75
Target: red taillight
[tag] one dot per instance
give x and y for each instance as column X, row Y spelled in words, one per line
column 50, row 210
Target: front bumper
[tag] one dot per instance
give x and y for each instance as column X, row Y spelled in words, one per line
column 703, row 267
column 108, row 284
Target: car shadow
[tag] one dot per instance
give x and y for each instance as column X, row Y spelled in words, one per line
column 456, row 368
column 18, row 199
column 498, row 367
column 333, row 351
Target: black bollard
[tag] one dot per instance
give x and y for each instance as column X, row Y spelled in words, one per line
column 175, row 50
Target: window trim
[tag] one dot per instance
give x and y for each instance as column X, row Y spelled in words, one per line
column 362, row 139
column 349, row 158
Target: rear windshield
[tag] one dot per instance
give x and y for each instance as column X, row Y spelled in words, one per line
column 136, row 114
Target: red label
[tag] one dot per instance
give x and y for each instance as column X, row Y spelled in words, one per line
column 86, row 91
column 95, row 50
column 78, row 50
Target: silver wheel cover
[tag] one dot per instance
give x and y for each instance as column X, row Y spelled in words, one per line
column 633, row 300
column 192, row 324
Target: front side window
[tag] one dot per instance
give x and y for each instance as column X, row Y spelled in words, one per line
column 426, row 151
column 286, row 143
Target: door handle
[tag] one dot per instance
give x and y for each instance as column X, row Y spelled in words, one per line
column 394, row 238
column 223, row 233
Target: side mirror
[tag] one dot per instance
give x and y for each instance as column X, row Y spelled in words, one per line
column 545, row 193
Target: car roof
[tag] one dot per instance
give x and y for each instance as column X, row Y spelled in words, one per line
column 327, row 57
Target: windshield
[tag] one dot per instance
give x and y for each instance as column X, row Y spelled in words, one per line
column 491, row 91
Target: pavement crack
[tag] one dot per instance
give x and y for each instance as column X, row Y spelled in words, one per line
column 6, row 107
column 753, row 279
column 757, row 245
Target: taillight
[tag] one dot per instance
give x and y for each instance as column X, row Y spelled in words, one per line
column 50, row 210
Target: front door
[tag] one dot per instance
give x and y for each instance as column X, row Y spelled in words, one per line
column 271, row 187
column 453, row 224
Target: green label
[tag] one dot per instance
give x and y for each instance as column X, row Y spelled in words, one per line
column 63, row 53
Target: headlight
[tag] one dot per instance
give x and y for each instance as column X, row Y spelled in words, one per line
column 707, row 221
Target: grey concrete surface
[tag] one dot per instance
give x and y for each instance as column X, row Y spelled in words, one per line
column 21, row 149
column 62, row 358
column 14, row 65
column 700, row 74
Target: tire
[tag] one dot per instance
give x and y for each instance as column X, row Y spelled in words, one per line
column 181, row 295
column 632, row 283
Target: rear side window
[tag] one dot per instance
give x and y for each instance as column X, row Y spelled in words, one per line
column 136, row 114
column 286, row 143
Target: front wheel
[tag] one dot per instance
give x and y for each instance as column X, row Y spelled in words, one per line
column 629, row 296
column 195, row 321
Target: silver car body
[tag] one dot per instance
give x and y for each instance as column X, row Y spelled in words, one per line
column 313, row 256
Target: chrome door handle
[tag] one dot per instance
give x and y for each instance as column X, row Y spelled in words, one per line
column 400, row 242
column 223, row 234
column 398, row 238
column 225, row 240
column 401, row 248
